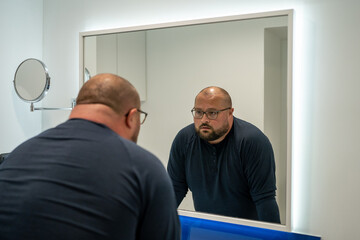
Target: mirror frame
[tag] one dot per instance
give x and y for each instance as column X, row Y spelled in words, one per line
column 46, row 86
column 289, row 13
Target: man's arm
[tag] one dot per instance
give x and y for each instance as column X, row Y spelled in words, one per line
column 260, row 171
column 159, row 220
column 268, row 209
column 176, row 169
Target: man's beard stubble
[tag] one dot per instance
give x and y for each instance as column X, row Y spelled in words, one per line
column 213, row 135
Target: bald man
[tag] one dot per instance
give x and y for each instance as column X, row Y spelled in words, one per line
column 227, row 163
column 86, row 178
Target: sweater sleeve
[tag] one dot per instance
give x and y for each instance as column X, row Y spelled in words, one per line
column 176, row 168
column 268, row 210
column 260, row 172
column 159, row 220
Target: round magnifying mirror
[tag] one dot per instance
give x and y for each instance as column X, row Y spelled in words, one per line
column 32, row 80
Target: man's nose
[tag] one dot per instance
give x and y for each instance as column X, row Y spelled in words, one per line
column 205, row 118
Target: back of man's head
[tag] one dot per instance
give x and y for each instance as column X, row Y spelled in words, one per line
column 110, row 100
column 110, row 90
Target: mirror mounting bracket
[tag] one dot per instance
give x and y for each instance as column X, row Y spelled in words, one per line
column 33, row 108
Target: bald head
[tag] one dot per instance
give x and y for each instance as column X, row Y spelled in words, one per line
column 110, row 90
column 215, row 114
column 110, row 100
column 216, row 93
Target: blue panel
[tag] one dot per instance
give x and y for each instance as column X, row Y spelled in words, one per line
column 196, row 229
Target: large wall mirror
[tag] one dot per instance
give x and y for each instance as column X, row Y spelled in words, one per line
column 248, row 55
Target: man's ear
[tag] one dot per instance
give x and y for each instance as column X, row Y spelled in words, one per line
column 131, row 118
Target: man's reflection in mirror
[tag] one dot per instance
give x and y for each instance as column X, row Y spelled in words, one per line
column 227, row 163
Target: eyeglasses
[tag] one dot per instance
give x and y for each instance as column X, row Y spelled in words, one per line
column 212, row 115
column 143, row 115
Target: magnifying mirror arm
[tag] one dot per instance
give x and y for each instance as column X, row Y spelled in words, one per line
column 33, row 108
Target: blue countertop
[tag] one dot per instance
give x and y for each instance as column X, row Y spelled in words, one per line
column 197, row 228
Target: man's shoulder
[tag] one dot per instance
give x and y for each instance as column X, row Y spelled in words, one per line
column 100, row 137
column 247, row 130
column 135, row 151
column 139, row 157
column 186, row 134
column 187, row 131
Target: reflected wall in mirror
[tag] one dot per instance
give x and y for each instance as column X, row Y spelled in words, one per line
column 247, row 55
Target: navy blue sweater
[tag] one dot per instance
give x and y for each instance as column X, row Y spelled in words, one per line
column 81, row 180
column 235, row 177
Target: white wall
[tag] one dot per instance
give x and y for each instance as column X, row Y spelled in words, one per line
column 21, row 27
column 326, row 119
column 326, row 84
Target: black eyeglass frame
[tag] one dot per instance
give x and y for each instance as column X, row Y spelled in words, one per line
column 140, row 111
column 206, row 113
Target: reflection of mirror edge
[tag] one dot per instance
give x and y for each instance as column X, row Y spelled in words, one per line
column 288, row 223
column 47, row 83
column 289, row 14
